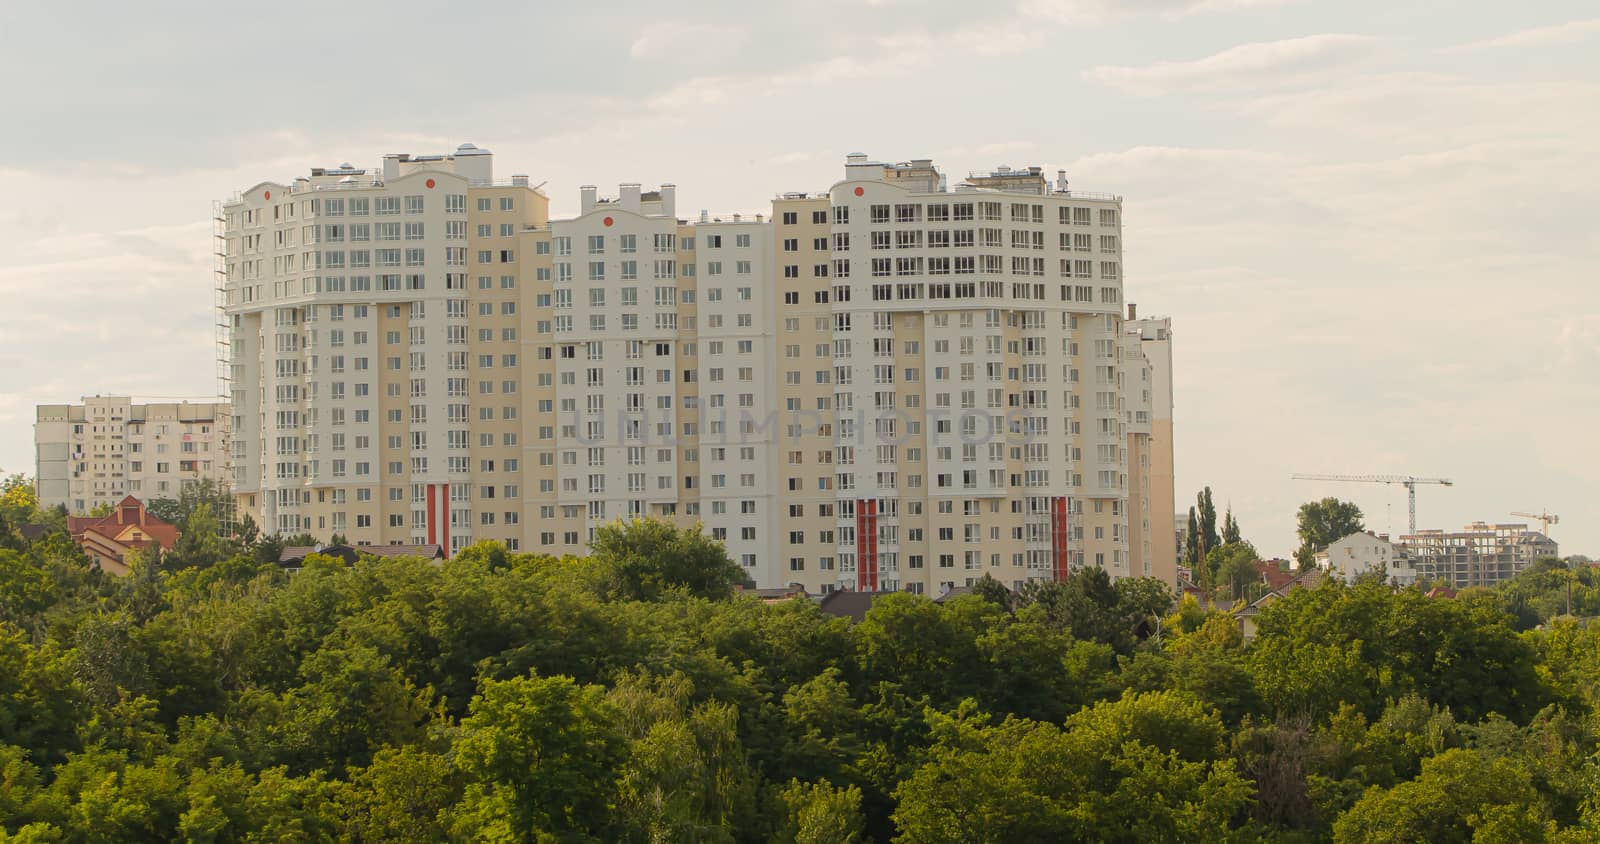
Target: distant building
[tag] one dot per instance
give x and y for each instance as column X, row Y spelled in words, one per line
column 108, row 447
column 1363, row 553
column 108, row 539
column 1246, row 615
column 1479, row 554
column 1147, row 417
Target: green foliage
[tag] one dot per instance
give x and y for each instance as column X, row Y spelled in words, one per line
column 645, row 559
column 630, row 697
column 1460, row 796
column 19, row 504
column 1365, row 644
column 1191, row 541
column 1230, row 529
column 540, row 752
column 1146, row 767
column 818, row 813
column 1321, row 523
column 1207, row 511
column 1230, row 572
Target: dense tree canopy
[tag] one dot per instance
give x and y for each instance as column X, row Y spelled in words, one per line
column 633, row 696
column 1321, row 523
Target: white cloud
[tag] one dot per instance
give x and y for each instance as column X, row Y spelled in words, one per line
column 1247, row 63
column 1543, row 36
column 1074, row 12
column 687, row 42
column 872, row 58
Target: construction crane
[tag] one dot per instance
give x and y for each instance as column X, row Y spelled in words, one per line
column 1543, row 518
column 1407, row 481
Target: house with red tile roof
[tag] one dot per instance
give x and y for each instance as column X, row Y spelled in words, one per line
column 108, row 539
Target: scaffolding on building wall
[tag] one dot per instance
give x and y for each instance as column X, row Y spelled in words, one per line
column 224, row 354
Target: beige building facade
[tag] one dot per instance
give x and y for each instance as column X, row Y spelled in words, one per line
column 105, row 448
column 889, row 385
column 1148, row 415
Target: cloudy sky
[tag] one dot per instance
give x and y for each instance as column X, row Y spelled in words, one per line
column 1374, row 223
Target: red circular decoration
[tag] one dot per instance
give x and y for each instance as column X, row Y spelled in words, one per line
column 860, row 191
column 267, row 194
column 608, row 221
column 429, row 183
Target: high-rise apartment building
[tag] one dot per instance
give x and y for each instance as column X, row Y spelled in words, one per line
column 889, row 385
column 96, row 453
column 1148, row 414
column 374, row 340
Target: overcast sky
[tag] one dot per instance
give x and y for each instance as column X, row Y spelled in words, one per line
column 1373, row 223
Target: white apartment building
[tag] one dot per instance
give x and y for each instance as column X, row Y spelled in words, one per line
column 893, row 384
column 1364, row 553
column 105, row 448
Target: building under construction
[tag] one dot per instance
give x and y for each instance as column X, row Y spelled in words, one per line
column 1478, row 555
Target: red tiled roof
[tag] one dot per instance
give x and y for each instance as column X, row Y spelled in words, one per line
column 1274, row 575
column 129, row 511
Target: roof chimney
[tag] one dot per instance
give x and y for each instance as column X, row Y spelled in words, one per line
column 628, row 197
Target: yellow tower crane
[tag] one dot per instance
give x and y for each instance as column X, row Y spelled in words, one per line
column 1543, row 518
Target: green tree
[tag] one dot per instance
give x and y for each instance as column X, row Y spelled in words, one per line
column 1208, row 523
column 404, row 795
column 205, row 493
column 541, row 754
column 1365, row 644
column 1232, row 571
column 645, row 558
column 352, row 703
column 926, row 648
column 1321, row 523
column 19, row 503
column 1143, row 768
column 1230, row 529
column 819, row 813
column 1461, row 796
column 993, row 591
column 40, row 705
column 201, row 543
column 1191, row 542
column 26, row 588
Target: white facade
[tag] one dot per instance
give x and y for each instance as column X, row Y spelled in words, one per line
column 1364, row 553
column 108, row 447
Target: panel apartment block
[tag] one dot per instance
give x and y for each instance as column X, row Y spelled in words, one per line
column 99, row 451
